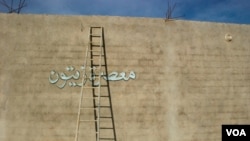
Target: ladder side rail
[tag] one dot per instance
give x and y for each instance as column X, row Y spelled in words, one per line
column 99, row 87
column 108, row 86
column 81, row 94
column 93, row 84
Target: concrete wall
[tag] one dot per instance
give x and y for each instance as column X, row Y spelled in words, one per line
column 189, row 79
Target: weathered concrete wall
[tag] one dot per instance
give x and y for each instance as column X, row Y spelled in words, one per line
column 189, row 80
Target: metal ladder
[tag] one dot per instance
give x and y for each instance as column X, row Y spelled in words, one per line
column 95, row 106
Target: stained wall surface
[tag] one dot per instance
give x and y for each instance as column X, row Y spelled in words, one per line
column 189, row 79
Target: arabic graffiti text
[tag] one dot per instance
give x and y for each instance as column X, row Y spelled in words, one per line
column 60, row 79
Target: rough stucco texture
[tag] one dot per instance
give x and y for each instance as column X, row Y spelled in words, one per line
column 189, row 79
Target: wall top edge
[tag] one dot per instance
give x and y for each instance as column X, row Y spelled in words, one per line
column 103, row 17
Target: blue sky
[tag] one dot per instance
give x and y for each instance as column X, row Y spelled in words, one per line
column 226, row 11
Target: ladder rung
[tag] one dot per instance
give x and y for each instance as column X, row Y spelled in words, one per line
column 94, row 59
column 88, row 120
column 98, row 65
column 105, row 106
column 95, row 35
column 96, row 107
column 106, row 138
column 105, row 96
column 101, row 85
column 97, row 71
column 94, row 50
column 105, row 117
column 101, row 96
column 95, row 43
column 97, row 78
column 89, row 97
column 96, row 27
column 97, row 75
column 88, row 108
column 106, row 128
column 94, row 87
column 98, row 55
